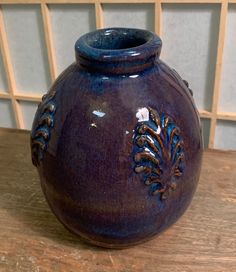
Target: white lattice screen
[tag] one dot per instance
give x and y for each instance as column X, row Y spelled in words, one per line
column 199, row 37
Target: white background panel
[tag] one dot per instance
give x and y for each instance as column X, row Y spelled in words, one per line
column 228, row 83
column 69, row 22
column 3, row 80
column 225, row 135
column 28, row 112
column 24, row 29
column 6, row 114
column 190, row 34
column 127, row 15
column 205, row 131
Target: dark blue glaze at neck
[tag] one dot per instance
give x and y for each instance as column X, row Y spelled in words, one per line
column 118, row 50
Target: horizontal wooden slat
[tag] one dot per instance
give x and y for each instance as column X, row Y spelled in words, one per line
column 110, row 1
column 5, row 95
column 192, row 1
column 26, row 97
column 205, row 114
column 72, row 1
column 69, row 2
column 230, row 116
column 126, row 1
column 45, row 2
column 20, row 1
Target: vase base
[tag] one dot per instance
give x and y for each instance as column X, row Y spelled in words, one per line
column 114, row 246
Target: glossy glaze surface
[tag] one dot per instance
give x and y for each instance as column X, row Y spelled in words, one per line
column 119, row 108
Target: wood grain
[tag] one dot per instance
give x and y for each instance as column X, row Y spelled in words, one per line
column 32, row 239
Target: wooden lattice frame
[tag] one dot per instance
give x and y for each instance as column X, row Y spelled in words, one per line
column 15, row 97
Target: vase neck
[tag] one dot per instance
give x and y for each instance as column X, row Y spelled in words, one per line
column 118, row 50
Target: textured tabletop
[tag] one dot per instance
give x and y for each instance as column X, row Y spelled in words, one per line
column 32, row 239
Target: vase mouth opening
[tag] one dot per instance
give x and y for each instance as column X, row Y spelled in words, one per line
column 122, row 48
column 117, row 40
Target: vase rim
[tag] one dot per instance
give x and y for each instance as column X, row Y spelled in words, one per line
column 118, row 45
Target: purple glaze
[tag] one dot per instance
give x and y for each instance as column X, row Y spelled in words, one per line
column 86, row 159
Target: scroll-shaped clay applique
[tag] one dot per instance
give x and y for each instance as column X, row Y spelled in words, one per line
column 45, row 119
column 40, row 135
column 158, row 151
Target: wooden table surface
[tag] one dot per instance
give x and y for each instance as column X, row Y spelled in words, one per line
column 32, row 239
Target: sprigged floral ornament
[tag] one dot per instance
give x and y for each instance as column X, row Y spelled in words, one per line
column 158, row 151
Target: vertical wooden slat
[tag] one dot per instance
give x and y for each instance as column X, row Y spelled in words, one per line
column 49, row 40
column 218, row 70
column 99, row 15
column 158, row 18
column 10, row 73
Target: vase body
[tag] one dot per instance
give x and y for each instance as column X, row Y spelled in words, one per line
column 117, row 140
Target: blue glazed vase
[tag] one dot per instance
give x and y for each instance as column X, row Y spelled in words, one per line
column 117, row 140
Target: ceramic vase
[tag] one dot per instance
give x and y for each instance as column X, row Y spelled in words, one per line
column 117, row 140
